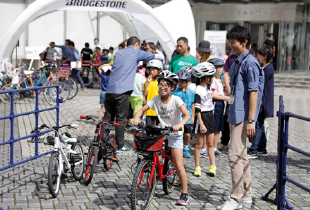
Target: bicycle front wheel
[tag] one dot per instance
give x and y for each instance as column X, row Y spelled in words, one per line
column 91, row 161
column 6, row 97
column 54, row 174
column 143, row 187
column 77, row 162
column 51, row 93
column 110, row 153
column 170, row 180
column 87, row 75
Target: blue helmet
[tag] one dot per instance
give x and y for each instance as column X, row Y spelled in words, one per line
column 184, row 73
column 217, row 62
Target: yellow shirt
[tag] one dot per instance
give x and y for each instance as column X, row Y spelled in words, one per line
column 152, row 91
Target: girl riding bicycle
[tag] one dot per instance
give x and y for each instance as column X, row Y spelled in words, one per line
column 169, row 109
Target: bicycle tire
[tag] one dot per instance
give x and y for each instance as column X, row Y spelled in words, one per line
column 54, row 174
column 91, row 163
column 168, row 182
column 72, row 86
column 50, row 94
column 77, row 160
column 138, row 185
column 107, row 161
column 6, row 97
column 88, row 80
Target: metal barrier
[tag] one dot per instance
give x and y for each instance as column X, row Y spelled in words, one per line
column 36, row 112
column 283, row 125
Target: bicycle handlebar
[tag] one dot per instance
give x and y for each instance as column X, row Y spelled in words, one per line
column 87, row 117
column 167, row 128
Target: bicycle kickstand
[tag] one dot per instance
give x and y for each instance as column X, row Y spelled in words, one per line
column 116, row 160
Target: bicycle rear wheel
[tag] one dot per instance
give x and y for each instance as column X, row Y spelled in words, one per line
column 77, row 162
column 87, row 75
column 51, row 93
column 141, row 194
column 109, row 151
column 91, row 161
column 168, row 182
column 72, row 86
column 6, row 97
column 54, row 174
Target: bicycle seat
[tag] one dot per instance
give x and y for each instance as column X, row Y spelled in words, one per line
column 26, row 72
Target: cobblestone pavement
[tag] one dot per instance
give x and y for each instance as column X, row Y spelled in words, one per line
column 24, row 186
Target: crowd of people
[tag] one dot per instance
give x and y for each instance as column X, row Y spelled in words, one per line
column 194, row 94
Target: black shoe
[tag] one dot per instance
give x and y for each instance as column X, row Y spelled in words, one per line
column 252, row 155
column 262, row 153
column 183, row 199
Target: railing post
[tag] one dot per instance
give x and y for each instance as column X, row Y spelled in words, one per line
column 280, row 152
column 284, row 156
column 37, row 123
column 57, row 109
column 12, row 129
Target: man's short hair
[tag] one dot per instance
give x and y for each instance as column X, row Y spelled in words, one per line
column 266, row 50
column 96, row 39
column 68, row 40
column 71, row 43
column 239, row 33
column 132, row 41
column 86, row 44
column 97, row 48
column 151, row 45
column 268, row 35
column 53, row 43
column 111, row 48
column 184, row 39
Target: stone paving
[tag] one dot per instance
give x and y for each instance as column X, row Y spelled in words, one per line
column 24, row 186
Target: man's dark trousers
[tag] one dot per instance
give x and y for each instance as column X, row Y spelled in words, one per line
column 117, row 105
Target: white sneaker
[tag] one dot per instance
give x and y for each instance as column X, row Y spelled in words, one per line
column 247, row 199
column 231, row 204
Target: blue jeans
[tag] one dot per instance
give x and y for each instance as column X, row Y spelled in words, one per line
column 77, row 74
column 259, row 140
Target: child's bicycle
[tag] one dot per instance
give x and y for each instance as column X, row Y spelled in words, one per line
column 66, row 155
column 148, row 143
column 102, row 147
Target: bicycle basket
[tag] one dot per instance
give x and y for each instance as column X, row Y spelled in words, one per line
column 63, row 72
column 146, row 142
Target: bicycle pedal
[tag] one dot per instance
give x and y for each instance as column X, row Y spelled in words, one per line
column 114, row 159
column 176, row 184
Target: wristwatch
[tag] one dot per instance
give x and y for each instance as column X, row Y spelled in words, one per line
column 250, row 120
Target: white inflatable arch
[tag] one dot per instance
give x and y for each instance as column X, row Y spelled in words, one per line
column 166, row 22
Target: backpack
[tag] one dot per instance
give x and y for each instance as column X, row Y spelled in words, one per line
column 43, row 54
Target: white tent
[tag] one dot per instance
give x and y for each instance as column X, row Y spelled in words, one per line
column 164, row 23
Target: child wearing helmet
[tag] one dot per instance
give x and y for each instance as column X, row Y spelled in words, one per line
column 219, row 99
column 204, row 121
column 187, row 95
column 169, row 109
column 151, row 88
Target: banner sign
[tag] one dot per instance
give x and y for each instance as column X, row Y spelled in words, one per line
column 218, row 42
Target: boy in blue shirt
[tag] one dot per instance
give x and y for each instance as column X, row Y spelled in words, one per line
column 187, row 95
column 104, row 73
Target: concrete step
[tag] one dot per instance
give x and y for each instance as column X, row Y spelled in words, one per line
column 292, row 80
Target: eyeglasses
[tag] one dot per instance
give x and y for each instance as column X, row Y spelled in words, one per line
column 164, row 86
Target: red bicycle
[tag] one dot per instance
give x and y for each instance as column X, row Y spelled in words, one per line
column 148, row 143
column 102, row 147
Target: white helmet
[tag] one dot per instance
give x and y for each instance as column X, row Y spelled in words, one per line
column 154, row 63
column 203, row 69
column 167, row 75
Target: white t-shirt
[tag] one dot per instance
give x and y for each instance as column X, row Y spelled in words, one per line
column 203, row 99
column 168, row 114
column 192, row 86
column 137, row 87
column 50, row 53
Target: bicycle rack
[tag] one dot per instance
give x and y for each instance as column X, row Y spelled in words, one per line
column 283, row 146
column 12, row 116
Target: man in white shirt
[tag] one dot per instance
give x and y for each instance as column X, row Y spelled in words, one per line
column 96, row 44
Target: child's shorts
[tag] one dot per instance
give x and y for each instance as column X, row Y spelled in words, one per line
column 208, row 121
column 188, row 128
column 175, row 141
column 102, row 98
column 218, row 115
